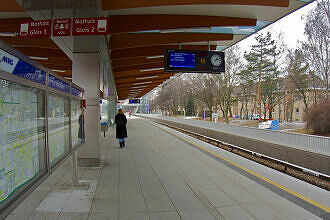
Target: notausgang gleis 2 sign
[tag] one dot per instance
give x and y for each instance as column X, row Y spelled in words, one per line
column 90, row 26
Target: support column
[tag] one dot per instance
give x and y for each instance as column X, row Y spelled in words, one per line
column 86, row 73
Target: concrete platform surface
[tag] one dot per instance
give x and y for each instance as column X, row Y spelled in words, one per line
column 159, row 176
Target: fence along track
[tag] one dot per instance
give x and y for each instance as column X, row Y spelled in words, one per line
column 307, row 175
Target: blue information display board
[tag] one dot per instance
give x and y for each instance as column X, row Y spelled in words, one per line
column 56, row 83
column 75, row 91
column 184, row 60
column 194, row 61
column 18, row 67
column 134, row 101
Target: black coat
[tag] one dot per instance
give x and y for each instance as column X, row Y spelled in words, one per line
column 121, row 131
column 81, row 127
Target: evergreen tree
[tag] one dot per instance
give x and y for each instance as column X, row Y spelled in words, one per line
column 258, row 62
column 190, row 107
column 272, row 83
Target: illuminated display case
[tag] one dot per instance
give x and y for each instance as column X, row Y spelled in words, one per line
column 41, row 123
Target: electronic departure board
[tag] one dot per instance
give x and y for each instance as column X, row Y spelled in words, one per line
column 134, row 101
column 194, row 61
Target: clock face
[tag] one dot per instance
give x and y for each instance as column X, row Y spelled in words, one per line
column 216, row 60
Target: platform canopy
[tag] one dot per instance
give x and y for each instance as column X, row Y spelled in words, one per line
column 140, row 32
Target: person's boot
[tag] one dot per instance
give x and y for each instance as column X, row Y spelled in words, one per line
column 123, row 143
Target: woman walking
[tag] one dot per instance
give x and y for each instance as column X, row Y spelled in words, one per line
column 121, row 131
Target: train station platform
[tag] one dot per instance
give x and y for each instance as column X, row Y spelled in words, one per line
column 164, row 174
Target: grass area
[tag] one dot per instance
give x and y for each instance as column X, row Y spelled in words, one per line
column 250, row 123
column 308, row 131
column 302, row 131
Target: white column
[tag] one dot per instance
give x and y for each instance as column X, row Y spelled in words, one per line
column 86, row 74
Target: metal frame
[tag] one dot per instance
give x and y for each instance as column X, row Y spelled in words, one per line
column 47, row 90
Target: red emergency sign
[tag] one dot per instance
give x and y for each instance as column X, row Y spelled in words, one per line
column 35, row 29
column 61, row 27
column 90, row 26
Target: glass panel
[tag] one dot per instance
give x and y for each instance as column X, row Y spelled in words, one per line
column 22, row 138
column 77, row 128
column 104, row 106
column 58, row 127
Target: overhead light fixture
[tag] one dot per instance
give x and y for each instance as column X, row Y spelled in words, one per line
column 136, row 87
column 137, row 90
column 154, row 57
column 176, row 30
column 60, row 71
column 38, row 58
column 147, row 77
column 8, row 34
column 152, row 69
column 139, row 83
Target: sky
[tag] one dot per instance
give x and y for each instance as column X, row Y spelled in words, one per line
column 291, row 25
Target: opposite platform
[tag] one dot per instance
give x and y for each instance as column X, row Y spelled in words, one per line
column 161, row 176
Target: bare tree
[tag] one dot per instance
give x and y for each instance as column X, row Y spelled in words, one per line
column 225, row 83
column 297, row 74
column 203, row 89
column 317, row 47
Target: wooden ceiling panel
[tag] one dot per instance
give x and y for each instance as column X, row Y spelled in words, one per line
column 134, row 60
column 134, row 79
column 125, row 74
column 131, row 85
column 43, row 52
column 55, row 66
column 124, row 94
column 67, row 73
column 12, row 24
column 142, row 82
column 123, row 4
column 130, row 40
column 126, row 91
column 10, row 6
column 61, row 61
column 139, row 67
column 153, row 50
column 134, row 23
column 33, row 42
column 140, row 74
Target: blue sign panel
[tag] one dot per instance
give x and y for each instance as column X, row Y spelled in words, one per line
column 18, row 67
column 134, row 101
column 56, row 83
column 27, row 71
column 184, row 60
column 75, row 91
